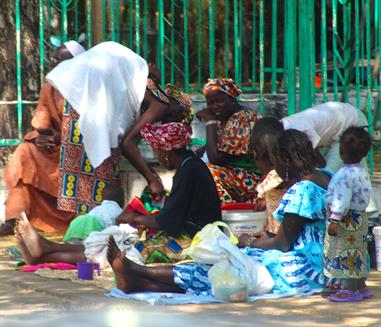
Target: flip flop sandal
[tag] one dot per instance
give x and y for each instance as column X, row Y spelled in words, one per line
column 346, row 296
column 366, row 293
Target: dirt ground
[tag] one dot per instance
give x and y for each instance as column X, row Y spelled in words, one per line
column 27, row 299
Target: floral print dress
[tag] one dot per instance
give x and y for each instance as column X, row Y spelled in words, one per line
column 348, row 195
column 237, row 181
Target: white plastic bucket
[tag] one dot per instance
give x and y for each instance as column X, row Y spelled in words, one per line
column 245, row 221
column 377, row 242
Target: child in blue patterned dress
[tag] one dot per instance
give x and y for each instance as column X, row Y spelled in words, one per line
column 348, row 195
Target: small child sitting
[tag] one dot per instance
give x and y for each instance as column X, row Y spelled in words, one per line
column 348, row 195
column 98, row 218
column 272, row 188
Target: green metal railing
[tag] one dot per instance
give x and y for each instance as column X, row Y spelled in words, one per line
column 309, row 50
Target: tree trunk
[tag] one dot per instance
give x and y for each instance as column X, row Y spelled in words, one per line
column 29, row 65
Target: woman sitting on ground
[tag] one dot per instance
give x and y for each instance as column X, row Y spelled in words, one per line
column 192, row 203
column 228, row 133
column 294, row 256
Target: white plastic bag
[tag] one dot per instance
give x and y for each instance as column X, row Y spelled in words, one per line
column 205, row 246
column 211, row 246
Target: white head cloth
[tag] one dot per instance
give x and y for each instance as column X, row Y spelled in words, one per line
column 74, row 48
column 106, row 86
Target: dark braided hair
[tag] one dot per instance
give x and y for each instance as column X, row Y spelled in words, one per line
column 296, row 151
column 264, row 137
column 355, row 143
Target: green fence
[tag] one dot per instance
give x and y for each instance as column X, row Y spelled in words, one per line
column 306, row 49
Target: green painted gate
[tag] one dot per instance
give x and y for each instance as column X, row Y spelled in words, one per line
column 309, row 50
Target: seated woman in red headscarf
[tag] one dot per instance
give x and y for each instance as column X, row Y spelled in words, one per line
column 228, row 134
column 192, row 204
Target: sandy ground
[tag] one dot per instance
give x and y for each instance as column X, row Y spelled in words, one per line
column 27, row 299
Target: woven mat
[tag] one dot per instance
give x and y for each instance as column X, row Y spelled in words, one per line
column 105, row 280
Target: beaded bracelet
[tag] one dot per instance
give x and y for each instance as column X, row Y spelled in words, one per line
column 333, row 221
column 211, row 122
column 251, row 240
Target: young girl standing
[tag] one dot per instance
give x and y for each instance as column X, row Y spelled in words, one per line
column 348, row 195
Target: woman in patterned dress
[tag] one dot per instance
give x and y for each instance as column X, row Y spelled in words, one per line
column 228, row 133
column 294, row 257
column 91, row 110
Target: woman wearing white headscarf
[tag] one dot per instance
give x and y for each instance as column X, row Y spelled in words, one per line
column 90, row 105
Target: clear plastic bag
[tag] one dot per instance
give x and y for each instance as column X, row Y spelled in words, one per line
column 227, row 285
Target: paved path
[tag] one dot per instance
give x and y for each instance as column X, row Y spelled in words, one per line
column 27, row 299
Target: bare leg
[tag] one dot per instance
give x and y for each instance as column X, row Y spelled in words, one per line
column 355, row 284
column 69, row 257
column 131, row 277
column 39, row 246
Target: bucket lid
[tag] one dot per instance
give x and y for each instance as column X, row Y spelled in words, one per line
column 238, row 206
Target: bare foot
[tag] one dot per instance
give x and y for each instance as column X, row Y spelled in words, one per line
column 28, row 259
column 126, row 279
column 32, row 240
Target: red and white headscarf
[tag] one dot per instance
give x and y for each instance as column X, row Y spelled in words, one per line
column 226, row 85
column 167, row 137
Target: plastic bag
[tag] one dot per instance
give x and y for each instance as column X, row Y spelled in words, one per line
column 205, row 246
column 226, row 283
column 211, row 246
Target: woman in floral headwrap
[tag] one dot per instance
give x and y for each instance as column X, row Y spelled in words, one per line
column 192, row 204
column 228, row 133
column 193, row 200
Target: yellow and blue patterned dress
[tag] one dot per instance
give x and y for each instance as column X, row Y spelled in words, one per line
column 348, row 195
column 299, row 270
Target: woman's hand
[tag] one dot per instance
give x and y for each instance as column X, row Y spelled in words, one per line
column 126, row 217
column 333, row 228
column 205, row 115
column 247, row 239
column 244, row 240
column 261, row 205
column 47, row 139
column 156, row 188
column 45, row 142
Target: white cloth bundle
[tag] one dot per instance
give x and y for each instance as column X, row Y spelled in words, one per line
column 106, row 86
column 124, row 235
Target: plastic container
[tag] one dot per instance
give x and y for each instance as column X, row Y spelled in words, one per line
column 377, row 241
column 245, row 221
column 230, row 292
column 86, row 270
